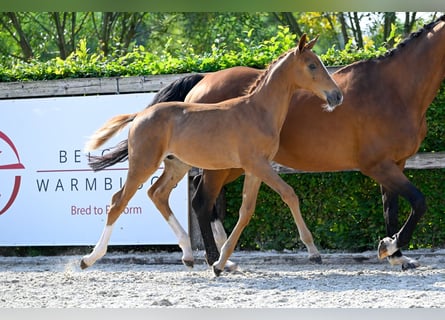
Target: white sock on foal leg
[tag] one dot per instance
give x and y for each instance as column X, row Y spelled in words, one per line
column 183, row 241
column 220, row 237
column 99, row 250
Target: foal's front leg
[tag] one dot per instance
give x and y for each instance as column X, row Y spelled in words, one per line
column 287, row 193
column 118, row 202
column 265, row 172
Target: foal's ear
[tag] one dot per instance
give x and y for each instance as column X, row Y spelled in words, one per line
column 311, row 43
column 302, row 43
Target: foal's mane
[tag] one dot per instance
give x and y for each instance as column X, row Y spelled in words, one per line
column 263, row 75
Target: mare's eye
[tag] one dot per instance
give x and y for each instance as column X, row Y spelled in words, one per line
column 312, row 66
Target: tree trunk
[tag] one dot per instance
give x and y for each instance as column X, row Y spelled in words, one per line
column 410, row 20
column 389, row 20
column 358, row 30
column 22, row 39
column 60, row 32
column 344, row 29
column 288, row 19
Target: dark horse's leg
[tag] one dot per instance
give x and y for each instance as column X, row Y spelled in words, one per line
column 208, row 187
column 393, row 183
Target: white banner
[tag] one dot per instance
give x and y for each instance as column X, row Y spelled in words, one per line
column 48, row 194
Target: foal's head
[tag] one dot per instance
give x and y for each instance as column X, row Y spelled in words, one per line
column 311, row 74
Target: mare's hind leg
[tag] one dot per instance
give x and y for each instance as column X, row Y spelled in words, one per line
column 120, row 199
column 208, row 187
column 390, row 213
column 394, row 182
column 159, row 193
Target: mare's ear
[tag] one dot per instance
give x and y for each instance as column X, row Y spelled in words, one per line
column 311, row 43
column 302, row 43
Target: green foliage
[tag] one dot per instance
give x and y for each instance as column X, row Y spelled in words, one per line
column 351, row 53
column 342, row 209
column 435, row 116
column 140, row 61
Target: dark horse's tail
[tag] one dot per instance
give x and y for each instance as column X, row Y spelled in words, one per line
column 175, row 91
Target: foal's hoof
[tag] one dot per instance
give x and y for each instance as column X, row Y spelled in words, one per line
column 315, row 259
column 217, row 271
column 83, row 265
column 188, row 263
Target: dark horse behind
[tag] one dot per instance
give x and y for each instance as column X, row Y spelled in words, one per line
column 380, row 125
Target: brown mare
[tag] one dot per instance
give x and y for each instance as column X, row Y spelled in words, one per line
column 242, row 132
column 380, row 124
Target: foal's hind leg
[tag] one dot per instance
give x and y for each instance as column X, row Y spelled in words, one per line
column 118, row 203
column 250, row 193
column 159, row 193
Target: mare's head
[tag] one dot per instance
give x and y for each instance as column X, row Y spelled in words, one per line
column 313, row 75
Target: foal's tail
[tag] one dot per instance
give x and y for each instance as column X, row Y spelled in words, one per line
column 109, row 129
column 119, row 153
column 175, row 91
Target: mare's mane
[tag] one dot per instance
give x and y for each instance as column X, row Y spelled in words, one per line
column 411, row 37
column 391, row 52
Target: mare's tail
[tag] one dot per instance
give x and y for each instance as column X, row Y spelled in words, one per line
column 175, row 91
column 178, row 89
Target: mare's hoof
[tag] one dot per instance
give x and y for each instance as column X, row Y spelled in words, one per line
column 230, row 266
column 413, row 264
column 383, row 248
column 316, row 259
column 83, row 265
column 216, row 271
column 188, row 263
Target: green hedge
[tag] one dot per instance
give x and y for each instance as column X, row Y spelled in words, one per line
column 342, row 209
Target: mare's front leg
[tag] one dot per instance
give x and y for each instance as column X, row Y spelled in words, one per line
column 159, row 193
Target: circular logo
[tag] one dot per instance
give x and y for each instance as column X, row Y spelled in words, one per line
column 5, row 205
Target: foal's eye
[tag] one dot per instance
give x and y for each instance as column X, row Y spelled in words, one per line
column 312, row 66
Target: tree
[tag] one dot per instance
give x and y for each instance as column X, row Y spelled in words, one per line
column 288, row 19
column 389, row 20
column 44, row 35
column 11, row 22
column 355, row 22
